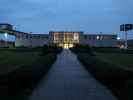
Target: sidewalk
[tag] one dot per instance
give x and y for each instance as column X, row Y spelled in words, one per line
column 68, row 80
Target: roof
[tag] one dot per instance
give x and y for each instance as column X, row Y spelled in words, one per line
column 5, row 24
column 65, row 32
column 102, row 34
column 12, row 31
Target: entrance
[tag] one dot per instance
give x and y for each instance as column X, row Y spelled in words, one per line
column 67, row 46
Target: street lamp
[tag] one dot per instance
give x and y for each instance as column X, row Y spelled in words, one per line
column 5, row 39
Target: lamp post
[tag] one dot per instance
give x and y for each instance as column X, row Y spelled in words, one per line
column 5, row 39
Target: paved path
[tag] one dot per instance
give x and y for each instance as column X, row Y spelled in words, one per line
column 68, row 80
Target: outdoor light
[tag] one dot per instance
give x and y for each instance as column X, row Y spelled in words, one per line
column 5, row 35
column 5, row 39
column 118, row 38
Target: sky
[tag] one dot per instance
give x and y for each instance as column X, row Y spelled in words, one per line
column 89, row 16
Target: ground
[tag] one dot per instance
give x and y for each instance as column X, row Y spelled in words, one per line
column 10, row 60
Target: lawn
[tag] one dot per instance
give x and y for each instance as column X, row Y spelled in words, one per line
column 125, row 60
column 21, row 69
column 112, row 67
column 9, row 61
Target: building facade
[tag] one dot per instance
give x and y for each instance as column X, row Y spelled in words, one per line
column 7, row 39
column 31, row 40
column 100, row 40
column 6, row 26
column 63, row 39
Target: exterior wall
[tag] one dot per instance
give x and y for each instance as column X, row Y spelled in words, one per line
column 62, row 39
column 100, row 43
column 6, row 44
column 100, row 37
column 31, row 40
column 39, row 42
column 99, row 40
column 6, row 39
column 65, row 37
column 22, row 42
column 130, row 44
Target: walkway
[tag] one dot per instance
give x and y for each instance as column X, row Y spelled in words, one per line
column 68, row 80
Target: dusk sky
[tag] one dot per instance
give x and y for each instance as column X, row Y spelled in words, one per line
column 90, row 16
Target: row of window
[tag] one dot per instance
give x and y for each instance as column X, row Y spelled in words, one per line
column 66, row 41
column 100, row 37
column 7, row 37
column 27, row 36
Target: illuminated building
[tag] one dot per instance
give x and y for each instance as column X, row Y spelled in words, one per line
column 63, row 39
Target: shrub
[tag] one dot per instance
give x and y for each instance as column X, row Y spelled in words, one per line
column 26, row 76
column 112, row 50
column 51, row 49
column 113, row 76
column 83, row 49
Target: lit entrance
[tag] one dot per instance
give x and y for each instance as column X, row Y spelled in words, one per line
column 67, row 46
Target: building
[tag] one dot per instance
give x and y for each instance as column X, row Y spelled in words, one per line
column 69, row 39
column 7, row 39
column 5, row 26
column 64, row 39
column 100, row 40
column 31, row 40
column 130, row 43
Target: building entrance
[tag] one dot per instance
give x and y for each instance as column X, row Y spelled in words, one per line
column 66, row 45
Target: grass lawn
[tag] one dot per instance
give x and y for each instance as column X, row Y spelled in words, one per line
column 9, row 61
column 22, row 69
column 118, row 59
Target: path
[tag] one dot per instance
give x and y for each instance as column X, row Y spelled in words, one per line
column 68, row 80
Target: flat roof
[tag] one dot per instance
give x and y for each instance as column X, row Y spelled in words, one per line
column 66, row 32
column 13, row 32
column 5, row 24
column 102, row 34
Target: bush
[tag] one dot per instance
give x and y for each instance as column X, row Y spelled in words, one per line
column 113, row 76
column 20, row 49
column 51, row 49
column 112, row 50
column 26, row 76
column 83, row 49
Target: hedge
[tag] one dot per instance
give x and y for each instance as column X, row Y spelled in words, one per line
column 114, row 77
column 112, row 50
column 26, row 77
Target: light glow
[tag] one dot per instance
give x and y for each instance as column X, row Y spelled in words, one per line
column 5, row 35
column 118, row 38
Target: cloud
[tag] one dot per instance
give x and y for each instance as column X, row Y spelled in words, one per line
column 87, row 15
